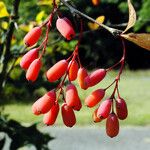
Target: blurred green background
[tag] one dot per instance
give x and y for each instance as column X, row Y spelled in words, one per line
column 99, row 49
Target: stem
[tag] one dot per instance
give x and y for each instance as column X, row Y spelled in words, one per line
column 113, row 31
column 121, row 69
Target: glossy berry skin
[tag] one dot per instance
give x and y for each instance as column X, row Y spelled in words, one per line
column 121, row 109
column 72, row 98
column 73, row 70
column 28, row 58
column 57, row 71
column 45, row 103
column 32, row 36
column 78, row 105
column 82, row 74
column 65, row 27
column 112, row 125
column 94, row 98
column 104, row 109
column 95, row 77
column 68, row 115
column 51, row 116
column 95, row 118
column 33, row 70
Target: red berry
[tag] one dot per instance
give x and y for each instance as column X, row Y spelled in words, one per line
column 65, row 27
column 95, row 118
column 82, row 74
column 104, row 109
column 121, row 109
column 57, row 71
column 78, row 105
column 45, row 103
column 94, row 98
column 51, row 116
column 32, row 36
column 73, row 70
column 68, row 115
column 28, row 58
column 112, row 125
column 72, row 98
column 33, row 70
column 95, row 77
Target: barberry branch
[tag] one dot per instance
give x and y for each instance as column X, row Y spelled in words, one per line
column 113, row 31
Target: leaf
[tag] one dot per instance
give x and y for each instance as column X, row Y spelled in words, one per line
column 142, row 39
column 47, row 2
column 40, row 16
column 94, row 26
column 4, row 25
column 26, row 28
column 3, row 10
column 132, row 16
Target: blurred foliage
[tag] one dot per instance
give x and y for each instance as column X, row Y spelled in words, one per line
column 20, row 135
column 98, row 48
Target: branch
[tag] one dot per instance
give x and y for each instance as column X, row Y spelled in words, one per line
column 113, row 31
column 6, row 53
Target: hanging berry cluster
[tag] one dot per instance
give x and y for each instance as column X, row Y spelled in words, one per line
column 110, row 109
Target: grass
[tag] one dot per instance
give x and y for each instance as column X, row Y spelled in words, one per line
column 134, row 88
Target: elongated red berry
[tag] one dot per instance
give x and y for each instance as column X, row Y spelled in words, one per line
column 72, row 98
column 45, row 103
column 32, row 36
column 73, row 70
column 94, row 98
column 95, row 118
column 28, row 58
column 57, row 71
column 51, row 116
column 65, row 27
column 95, row 77
column 33, row 70
column 121, row 109
column 78, row 105
column 82, row 74
column 112, row 125
column 68, row 115
column 104, row 109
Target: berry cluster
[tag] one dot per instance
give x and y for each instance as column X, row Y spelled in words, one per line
column 71, row 69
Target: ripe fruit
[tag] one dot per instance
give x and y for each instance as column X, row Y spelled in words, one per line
column 51, row 116
column 72, row 98
column 104, row 109
column 112, row 125
column 57, row 71
column 73, row 70
column 82, row 74
column 28, row 58
column 32, row 36
column 95, row 118
column 68, row 115
column 65, row 27
column 45, row 103
column 121, row 109
column 95, row 77
column 78, row 105
column 96, row 2
column 94, row 98
column 33, row 70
